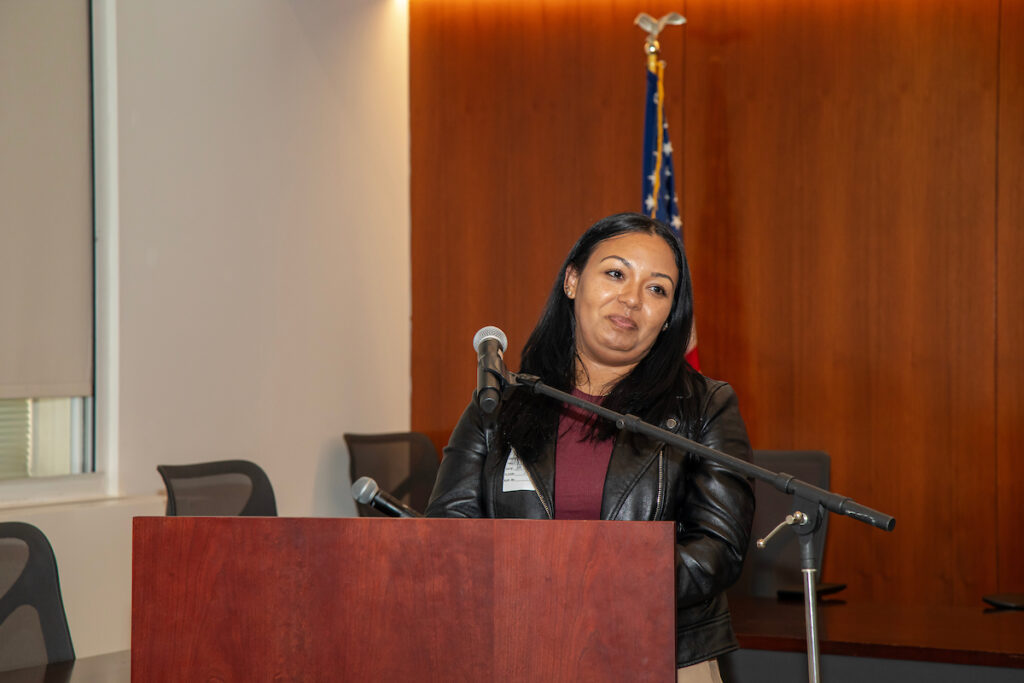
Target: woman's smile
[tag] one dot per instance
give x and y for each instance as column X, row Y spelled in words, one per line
column 622, row 322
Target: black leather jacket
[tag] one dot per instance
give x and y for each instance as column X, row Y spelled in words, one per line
column 712, row 506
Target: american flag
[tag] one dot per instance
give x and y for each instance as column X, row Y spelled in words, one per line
column 660, row 199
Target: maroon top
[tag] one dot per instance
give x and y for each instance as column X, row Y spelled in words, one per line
column 580, row 465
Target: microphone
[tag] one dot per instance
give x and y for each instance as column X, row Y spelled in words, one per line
column 489, row 343
column 366, row 491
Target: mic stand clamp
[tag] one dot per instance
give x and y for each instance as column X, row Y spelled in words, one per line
column 804, row 526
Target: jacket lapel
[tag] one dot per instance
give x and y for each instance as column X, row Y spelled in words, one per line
column 542, row 470
column 632, row 455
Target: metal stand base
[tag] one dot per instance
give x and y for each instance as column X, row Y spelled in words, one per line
column 811, row 619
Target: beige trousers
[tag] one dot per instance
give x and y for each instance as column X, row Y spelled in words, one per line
column 705, row 672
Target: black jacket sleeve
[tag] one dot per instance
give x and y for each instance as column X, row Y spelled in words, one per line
column 716, row 504
column 459, row 486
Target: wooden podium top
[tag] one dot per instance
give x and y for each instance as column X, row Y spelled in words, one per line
column 956, row 635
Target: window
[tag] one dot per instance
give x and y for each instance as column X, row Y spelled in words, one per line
column 46, row 244
column 45, row 437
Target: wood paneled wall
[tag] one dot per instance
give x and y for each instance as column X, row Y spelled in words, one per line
column 527, row 122
column 851, row 178
column 840, row 191
column 1010, row 300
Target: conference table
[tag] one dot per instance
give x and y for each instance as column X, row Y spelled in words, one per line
column 114, row 667
column 878, row 641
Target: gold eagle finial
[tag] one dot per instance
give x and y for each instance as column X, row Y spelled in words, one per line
column 655, row 26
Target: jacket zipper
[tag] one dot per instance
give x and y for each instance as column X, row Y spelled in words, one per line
column 661, row 479
column 536, row 490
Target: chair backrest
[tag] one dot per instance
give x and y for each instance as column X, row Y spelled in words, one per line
column 777, row 566
column 33, row 625
column 402, row 463
column 223, row 488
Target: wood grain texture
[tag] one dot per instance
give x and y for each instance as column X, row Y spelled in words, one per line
column 251, row 599
column 260, row 599
column 1010, row 311
column 576, row 573
column 838, row 165
column 840, row 202
column 527, row 124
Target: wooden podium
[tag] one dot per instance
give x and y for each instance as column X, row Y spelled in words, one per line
column 293, row 599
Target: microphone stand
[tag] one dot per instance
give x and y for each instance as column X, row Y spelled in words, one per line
column 807, row 497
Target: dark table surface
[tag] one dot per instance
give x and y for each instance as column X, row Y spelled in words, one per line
column 937, row 633
column 114, row 667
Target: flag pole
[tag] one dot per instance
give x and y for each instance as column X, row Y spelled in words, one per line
column 659, row 198
column 656, row 66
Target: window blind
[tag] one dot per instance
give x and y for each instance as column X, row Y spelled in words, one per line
column 46, row 208
column 15, row 438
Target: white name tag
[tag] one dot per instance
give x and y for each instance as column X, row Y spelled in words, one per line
column 515, row 477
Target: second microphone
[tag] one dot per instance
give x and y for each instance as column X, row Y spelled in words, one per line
column 489, row 343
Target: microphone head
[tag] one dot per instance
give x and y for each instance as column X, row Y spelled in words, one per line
column 489, row 332
column 364, row 490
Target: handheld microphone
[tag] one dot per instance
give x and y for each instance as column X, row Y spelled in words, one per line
column 489, row 343
column 366, row 491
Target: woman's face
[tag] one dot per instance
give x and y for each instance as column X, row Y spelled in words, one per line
column 622, row 298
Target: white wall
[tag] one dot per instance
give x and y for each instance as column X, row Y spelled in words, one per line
column 264, row 292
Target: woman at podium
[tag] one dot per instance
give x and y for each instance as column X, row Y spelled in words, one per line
column 614, row 331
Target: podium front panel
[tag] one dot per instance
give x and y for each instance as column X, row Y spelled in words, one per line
column 290, row 599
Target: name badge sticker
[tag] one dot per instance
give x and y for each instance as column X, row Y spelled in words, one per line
column 515, row 477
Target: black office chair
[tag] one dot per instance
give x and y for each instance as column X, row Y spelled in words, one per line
column 33, row 625
column 223, row 488
column 402, row 463
column 775, row 571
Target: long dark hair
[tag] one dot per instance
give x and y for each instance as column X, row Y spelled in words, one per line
column 652, row 390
